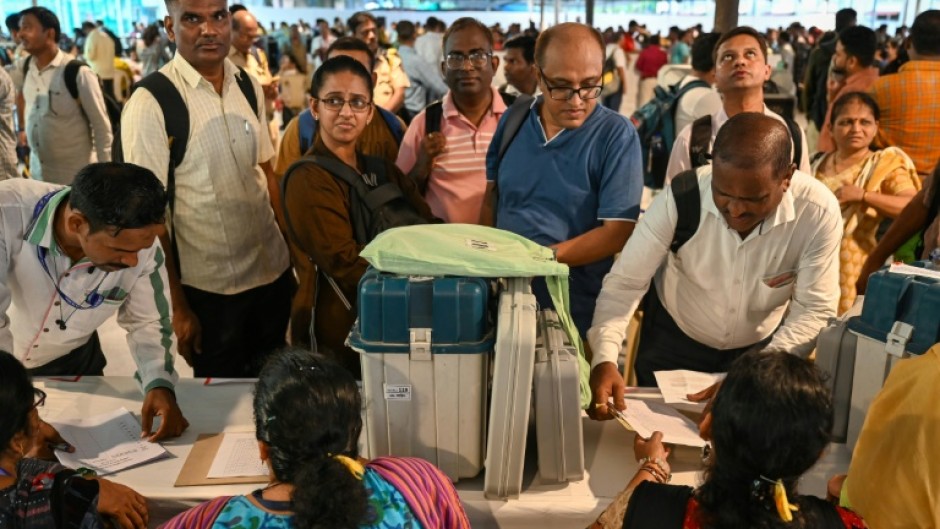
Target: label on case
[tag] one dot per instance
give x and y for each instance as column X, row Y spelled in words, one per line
column 480, row 245
column 397, row 391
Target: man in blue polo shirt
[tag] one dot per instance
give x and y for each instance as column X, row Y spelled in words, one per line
column 572, row 177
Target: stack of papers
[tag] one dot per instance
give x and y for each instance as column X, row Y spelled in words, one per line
column 647, row 417
column 238, row 456
column 106, row 443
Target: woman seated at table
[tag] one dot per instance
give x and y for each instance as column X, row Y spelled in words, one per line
column 320, row 210
column 307, row 421
column 871, row 185
column 769, row 424
column 43, row 494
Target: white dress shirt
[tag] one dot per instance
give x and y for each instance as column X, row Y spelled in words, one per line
column 679, row 157
column 715, row 287
column 227, row 237
column 139, row 295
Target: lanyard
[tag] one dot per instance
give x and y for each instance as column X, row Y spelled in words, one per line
column 94, row 298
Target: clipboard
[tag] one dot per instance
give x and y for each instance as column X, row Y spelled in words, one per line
column 196, row 468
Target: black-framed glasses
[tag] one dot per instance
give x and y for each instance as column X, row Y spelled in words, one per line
column 455, row 61
column 564, row 93
column 357, row 104
column 39, row 398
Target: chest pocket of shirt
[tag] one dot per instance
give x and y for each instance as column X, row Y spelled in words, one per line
column 774, row 290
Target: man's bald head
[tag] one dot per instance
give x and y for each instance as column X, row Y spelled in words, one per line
column 242, row 18
column 751, row 140
column 245, row 31
column 565, row 37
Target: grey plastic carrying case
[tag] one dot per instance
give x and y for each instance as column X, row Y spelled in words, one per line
column 557, row 403
column 514, row 364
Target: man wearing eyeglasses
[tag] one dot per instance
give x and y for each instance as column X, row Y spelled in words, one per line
column 572, row 176
column 449, row 163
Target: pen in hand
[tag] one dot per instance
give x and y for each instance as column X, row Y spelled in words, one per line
column 64, row 447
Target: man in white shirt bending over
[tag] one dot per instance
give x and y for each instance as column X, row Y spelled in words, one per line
column 763, row 243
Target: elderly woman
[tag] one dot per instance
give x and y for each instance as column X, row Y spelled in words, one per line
column 769, row 424
column 42, row 494
column 871, row 186
column 317, row 478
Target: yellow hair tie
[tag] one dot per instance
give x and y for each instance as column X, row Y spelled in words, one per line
column 355, row 467
column 784, row 508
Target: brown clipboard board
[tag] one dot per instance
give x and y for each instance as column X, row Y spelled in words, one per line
column 196, row 468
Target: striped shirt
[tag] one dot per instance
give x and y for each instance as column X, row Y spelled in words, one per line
column 225, row 231
column 910, row 103
column 139, row 295
column 8, row 160
column 458, row 178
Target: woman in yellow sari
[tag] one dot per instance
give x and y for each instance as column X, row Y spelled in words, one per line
column 871, row 185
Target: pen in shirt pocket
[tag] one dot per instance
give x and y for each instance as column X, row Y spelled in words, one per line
column 247, row 128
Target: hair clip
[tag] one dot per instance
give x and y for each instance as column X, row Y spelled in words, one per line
column 784, row 508
column 355, row 467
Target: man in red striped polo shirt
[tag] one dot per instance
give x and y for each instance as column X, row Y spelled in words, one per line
column 449, row 164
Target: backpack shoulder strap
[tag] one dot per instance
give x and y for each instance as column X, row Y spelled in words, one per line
column 244, row 83
column 393, row 123
column 515, row 117
column 432, row 117
column 657, row 505
column 685, row 190
column 26, row 62
column 175, row 115
column 71, row 76
column 306, row 129
column 508, row 99
column 698, row 83
column 699, row 140
column 796, row 135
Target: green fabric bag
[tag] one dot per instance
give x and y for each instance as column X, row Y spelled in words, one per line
column 477, row 251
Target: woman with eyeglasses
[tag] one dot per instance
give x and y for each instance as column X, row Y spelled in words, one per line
column 324, row 213
column 307, row 422
column 42, row 494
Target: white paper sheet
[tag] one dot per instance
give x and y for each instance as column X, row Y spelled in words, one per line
column 675, row 385
column 237, row 456
column 648, row 417
column 106, row 443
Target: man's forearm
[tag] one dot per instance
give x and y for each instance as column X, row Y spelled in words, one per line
column 487, row 217
column 594, row 245
column 177, row 296
column 909, row 222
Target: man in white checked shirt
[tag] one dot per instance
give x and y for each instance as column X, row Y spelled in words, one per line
column 231, row 300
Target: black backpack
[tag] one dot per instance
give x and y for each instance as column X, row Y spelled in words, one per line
column 70, row 76
column 376, row 204
column 176, row 122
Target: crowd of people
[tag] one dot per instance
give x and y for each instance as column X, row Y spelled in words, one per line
column 183, row 208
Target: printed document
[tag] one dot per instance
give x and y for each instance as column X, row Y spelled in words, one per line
column 237, row 457
column 106, row 443
column 675, row 385
column 647, row 417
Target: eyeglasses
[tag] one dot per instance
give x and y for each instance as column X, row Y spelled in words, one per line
column 564, row 93
column 40, row 398
column 356, row 104
column 455, row 61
